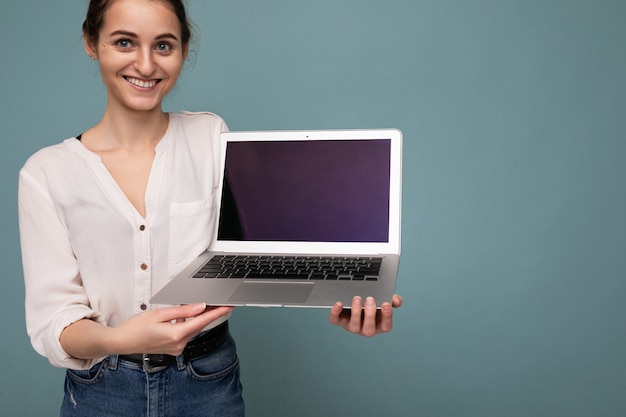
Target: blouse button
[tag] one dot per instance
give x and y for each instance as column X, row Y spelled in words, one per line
column 144, row 267
column 142, row 227
column 144, row 306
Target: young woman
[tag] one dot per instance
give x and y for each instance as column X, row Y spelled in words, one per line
column 99, row 218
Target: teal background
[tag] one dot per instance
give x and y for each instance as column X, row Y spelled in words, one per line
column 514, row 229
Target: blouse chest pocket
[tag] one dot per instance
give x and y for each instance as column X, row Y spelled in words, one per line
column 191, row 229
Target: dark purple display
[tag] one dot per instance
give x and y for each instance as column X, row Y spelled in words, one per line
column 313, row 191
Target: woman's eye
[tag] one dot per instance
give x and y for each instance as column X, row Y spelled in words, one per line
column 124, row 43
column 163, row 47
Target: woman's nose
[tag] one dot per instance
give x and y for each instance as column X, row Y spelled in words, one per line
column 144, row 63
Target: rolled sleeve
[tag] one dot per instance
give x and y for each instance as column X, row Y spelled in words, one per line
column 55, row 297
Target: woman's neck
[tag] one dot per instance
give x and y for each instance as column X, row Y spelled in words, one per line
column 129, row 129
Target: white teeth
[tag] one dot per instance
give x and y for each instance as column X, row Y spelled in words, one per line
column 140, row 83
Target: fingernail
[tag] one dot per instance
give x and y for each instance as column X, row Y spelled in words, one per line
column 357, row 300
column 369, row 302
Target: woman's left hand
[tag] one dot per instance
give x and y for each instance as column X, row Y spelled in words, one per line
column 365, row 320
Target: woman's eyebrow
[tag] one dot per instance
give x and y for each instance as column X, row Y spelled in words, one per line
column 124, row 33
column 167, row 36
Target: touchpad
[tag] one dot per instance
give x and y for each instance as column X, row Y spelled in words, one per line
column 272, row 292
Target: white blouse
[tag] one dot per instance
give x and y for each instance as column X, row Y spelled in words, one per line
column 88, row 253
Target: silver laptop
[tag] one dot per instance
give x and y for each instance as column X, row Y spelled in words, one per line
column 306, row 219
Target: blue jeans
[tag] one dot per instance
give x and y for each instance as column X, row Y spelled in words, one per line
column 207, row 386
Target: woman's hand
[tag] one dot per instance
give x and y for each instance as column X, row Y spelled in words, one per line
column 365, row 320
column 165, row 330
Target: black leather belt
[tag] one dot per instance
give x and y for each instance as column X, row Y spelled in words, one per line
column 201, row 346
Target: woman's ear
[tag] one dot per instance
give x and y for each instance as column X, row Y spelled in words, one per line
column 91, row 51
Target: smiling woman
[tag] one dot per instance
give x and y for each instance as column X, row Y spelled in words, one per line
column 98, row 219
column 97, row 207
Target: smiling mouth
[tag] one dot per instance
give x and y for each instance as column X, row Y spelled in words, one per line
column 141, row 83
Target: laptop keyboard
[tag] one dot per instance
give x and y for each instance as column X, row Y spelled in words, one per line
column 291, row 267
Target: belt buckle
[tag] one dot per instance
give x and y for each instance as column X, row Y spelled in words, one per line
column 148, row 367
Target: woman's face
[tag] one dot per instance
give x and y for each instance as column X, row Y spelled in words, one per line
column 140, row 53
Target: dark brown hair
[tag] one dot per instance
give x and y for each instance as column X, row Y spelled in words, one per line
column 97, row 9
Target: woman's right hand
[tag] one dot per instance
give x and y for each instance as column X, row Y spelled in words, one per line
column 165, row 330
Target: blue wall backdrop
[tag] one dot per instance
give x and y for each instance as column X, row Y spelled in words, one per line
column 514, row 227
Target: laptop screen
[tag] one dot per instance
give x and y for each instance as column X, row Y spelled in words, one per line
column 306, row 191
